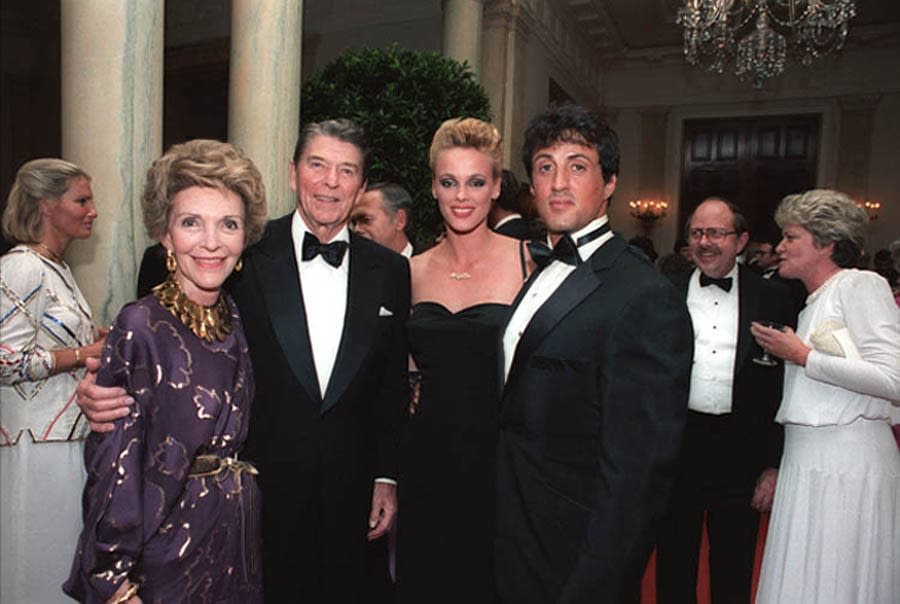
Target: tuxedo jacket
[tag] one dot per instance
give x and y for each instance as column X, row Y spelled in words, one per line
column 755, row 440
column 517, row 228
column 331, row 447
column 591, row 420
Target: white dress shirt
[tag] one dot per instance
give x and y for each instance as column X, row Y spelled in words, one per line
column 324, row 299
column 714, row 315
column 407, row 251
column 545, row 283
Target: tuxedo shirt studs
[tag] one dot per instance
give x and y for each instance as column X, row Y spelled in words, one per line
column 714, row 314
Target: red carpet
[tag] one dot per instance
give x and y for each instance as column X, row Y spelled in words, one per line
column 648, row 586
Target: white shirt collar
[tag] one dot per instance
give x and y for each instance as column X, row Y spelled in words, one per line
column 733, row 274
column 588, row 249
column 298, row 228
column 506, row 219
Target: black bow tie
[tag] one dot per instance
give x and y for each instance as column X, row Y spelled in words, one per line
column 724, row 283
column 565, row 249
column 332, row 253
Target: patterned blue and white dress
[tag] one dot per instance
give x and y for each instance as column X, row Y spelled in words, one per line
column 41, row 428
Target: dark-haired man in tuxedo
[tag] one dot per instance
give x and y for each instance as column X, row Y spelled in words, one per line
column 597, row 357
column 732, row 445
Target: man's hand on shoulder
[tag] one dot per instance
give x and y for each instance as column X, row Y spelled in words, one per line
column 101, row 405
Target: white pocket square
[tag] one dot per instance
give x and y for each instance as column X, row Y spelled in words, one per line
column 383, row 312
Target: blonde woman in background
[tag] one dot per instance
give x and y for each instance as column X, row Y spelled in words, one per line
column 46, row 333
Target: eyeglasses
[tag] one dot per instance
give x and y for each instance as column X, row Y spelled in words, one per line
column 712, row 233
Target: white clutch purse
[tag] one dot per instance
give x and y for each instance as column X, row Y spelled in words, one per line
column 833, row 338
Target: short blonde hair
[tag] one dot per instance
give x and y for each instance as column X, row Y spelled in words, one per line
column 469, row 133
column 204, row 163
column 47, row 178
column 831, row 217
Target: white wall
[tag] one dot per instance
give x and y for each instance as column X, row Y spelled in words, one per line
column 857, row 77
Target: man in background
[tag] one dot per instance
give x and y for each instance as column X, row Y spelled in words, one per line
column 732, row 445
column 506, row 213
column 383, row 214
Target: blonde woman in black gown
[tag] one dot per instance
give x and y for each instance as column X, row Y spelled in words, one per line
column 462, row 290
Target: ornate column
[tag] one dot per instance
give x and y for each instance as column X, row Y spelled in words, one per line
column 506, row 29
column 462, row 31
column 264, row 90
column 112, row 75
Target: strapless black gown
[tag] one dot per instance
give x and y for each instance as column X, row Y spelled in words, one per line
column 446, row 521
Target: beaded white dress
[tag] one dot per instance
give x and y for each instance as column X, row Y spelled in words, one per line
column 41, row 428
column 834, row 535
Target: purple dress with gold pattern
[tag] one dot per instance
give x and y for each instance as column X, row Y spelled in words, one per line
column 182, row 538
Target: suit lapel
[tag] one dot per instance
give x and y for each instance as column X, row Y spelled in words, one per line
column 572, row 292
column 748, row 309
column 501, row 358
column 366, row 273
column 284, row 300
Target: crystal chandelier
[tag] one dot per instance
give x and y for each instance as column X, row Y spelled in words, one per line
column 758, row 34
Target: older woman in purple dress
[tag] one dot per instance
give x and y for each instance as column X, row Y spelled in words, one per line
column 170, row 514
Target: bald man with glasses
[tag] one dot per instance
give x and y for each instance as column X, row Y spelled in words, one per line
column 732, row 445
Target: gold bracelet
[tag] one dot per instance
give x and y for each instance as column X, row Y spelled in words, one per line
column 129, row 593
column 77, row 357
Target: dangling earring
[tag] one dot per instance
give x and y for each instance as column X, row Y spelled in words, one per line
column 239, row 265
column 171, row 264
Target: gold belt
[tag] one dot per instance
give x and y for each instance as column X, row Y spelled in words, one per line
column 213, row 465
column 216, row 466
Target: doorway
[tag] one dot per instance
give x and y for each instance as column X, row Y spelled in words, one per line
column 753, row 162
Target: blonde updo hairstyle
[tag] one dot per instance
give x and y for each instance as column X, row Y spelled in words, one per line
column 831, row 217
column 37, row 180
column 468, row 133
column 204, row 163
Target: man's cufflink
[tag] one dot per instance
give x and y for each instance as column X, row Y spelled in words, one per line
column 383, row 312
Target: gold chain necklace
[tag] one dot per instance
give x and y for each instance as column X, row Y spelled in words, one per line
column 209, row 323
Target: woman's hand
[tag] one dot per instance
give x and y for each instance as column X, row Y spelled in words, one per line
column 126, row 594
column 783, row 344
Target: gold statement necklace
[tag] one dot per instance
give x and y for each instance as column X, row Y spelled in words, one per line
column 209, row 323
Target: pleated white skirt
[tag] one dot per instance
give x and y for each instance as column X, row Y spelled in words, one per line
column 40, row 518
column 834, row 535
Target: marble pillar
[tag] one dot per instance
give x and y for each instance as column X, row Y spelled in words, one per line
column 507, row 27
column 112, row 97
column 264, row 90
column 462, row 31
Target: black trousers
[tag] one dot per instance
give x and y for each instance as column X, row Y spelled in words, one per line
column 707, row 488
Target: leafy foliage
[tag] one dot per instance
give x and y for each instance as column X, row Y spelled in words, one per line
column 400, row 97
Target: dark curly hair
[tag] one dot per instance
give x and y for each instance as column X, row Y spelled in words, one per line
column 572, row 124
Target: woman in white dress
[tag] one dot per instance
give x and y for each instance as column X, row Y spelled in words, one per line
column 46, row 333
column 834, row 535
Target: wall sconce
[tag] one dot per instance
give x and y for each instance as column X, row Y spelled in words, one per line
column 648, row 211
column 871, row 207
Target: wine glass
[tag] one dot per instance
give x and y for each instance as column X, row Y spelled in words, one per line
column 765, row 359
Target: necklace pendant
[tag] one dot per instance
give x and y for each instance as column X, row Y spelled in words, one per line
column 460, row 276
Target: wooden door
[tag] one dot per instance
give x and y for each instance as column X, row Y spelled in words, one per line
column 753, row 162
